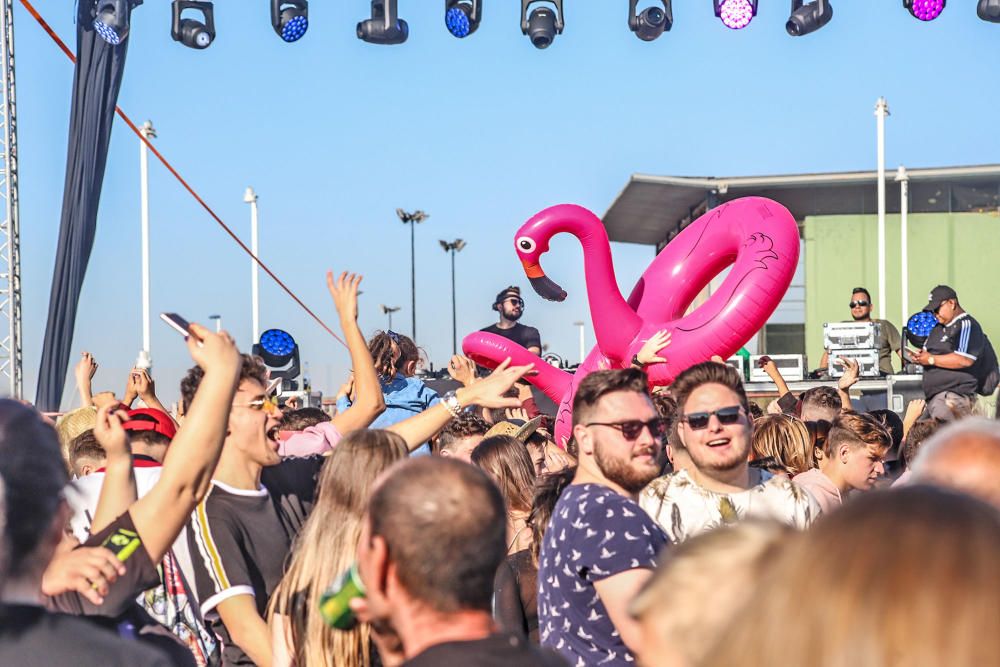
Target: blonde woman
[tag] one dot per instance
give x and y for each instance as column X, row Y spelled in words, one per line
column 324, row 548
column 785, row 441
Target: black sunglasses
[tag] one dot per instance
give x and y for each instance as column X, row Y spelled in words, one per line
column 632, row 429
column 515, row 300
column 855, row 304
column 699, row 420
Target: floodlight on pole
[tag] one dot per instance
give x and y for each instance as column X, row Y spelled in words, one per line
column 290, row 18
column 462, row 17
column 543, row 23
column 389, row 310
column 384, row 26
column 413, row 219
column 925, row 10
column 250, row 197
column 451, row 248
column 735, row 14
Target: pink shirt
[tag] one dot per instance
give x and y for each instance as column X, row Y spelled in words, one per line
column 821, row 488
column 314, row 440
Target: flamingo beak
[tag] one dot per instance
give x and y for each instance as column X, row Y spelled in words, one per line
column 543, row 286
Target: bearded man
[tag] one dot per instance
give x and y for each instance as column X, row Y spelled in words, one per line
column 601, row 547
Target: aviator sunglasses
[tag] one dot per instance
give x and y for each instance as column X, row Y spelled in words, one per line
column 862, row 302
column 726, row 416
column 633, row 428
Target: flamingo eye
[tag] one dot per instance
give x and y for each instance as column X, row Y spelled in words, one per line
column 526, row 244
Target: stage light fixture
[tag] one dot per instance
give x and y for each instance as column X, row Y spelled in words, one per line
column 650, row 22
column 989, row 10
column 919, row 326
column 111, row 19
column 191, row 32
column 925, row 10
column 290, row 18
column 808, row 17
column 462, row 17
column 385, row 26
column 280, row 354
column 544, row 23
column 735, row 14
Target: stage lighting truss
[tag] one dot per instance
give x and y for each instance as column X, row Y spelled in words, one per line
column 290, row 18
column 989, row 10
column 925, row 10
column 462, row 17
column 190, row 32
column 543, row 23
column 111, row 19
column 807, row 17
column 735, row 14
column 651, row 22
column 385, row 26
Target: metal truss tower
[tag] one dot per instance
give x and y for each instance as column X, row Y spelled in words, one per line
column 10, row 235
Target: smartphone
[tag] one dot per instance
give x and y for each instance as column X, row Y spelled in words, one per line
column 178, row 324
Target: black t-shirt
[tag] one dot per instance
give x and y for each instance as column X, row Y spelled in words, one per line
column 32, row 636
column 963, row 336
column 239, row 540
column 498, row 650
column 524, row 336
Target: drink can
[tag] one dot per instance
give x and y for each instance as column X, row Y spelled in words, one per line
column 335, row 603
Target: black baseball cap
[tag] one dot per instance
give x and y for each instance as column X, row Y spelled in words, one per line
column 938, row 295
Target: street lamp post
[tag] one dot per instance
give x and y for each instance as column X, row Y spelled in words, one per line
column 218, row 322
column 388, row 310
column 583, row 351
column 250, row 197
column 145, row 359
column 413, row 219
column 452, row 248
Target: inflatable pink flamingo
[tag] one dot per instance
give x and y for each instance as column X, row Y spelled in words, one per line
column 757, row 236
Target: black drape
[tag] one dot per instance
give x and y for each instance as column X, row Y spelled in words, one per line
column 96, row 81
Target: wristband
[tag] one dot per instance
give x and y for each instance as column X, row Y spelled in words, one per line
column 636, row 362
column 451, row 404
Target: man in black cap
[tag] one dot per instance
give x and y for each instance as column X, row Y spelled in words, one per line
column 510, row 305
column 949, row 355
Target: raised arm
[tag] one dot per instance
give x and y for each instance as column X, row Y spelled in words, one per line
column 368, row 400
column 487, row 392
column 84, row 374
column 192, row 456
column 118, row 488
column 852, row 369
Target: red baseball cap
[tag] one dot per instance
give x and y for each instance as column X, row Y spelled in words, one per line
column 150, row 419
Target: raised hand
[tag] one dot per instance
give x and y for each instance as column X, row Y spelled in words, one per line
column 462, row 369
column 852, row 370
column 214, row 352
column 489, row 391
column 344, row 291
column 648, row 354
column 109, row 432
column 85, row 369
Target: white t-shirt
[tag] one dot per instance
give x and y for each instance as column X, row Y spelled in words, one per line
column 684, row 509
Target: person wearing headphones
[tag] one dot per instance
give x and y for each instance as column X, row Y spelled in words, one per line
column 510, row 306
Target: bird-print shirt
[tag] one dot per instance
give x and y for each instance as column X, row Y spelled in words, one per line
column 595, row 533
column 683, row 508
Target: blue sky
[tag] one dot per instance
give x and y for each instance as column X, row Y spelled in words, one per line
column 334, row 134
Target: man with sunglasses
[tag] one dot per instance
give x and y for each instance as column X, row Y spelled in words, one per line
column 716, row 484
column 889, row 340
column 510, row 306
column 600, row 547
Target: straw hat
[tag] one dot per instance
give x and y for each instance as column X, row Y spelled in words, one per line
column 515, row 428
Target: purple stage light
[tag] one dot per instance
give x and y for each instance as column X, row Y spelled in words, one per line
column 926, row 10
column 735, row 14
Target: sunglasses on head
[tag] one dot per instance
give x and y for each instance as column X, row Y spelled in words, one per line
column 393, row 336
column 699, row 420
column 632, row 429
column 862, row 302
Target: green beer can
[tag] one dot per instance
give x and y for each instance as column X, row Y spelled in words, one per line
column 335, row 603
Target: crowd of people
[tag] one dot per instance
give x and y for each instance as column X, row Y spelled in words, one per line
column 680, row 526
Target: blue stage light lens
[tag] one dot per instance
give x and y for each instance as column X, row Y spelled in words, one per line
column 295, row 29
column 107, row 33
column 457, row 21
column 277, row 342
column 922, row 323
